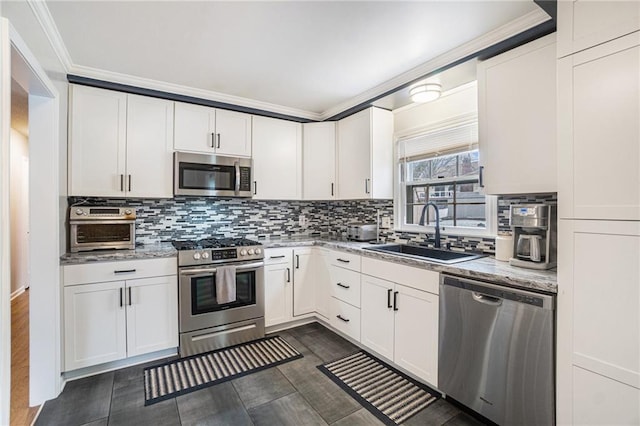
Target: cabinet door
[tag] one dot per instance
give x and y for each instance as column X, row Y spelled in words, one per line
column 517, row 122
column 583, row 23
column 377, row 315
column 278, row 294
column 94, row 324
column 319, row 161
column 233, row 133
column 416, row 333
column 149, row 147
column 97, row 142
column 304, row 281
column 598, row 319
column 277, row 159
column 152, row 314
column 354, row 156
column 322, row 282
column 599, row 149
column 194, row 128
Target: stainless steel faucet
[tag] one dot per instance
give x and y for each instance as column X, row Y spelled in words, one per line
column 422, row 216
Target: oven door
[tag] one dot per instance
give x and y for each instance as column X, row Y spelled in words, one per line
column 211, row 175
column 199, row 308
column 87, row 235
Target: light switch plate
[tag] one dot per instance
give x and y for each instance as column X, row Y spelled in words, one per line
column 385, row 222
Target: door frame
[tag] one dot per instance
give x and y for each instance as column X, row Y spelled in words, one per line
column 18, row 62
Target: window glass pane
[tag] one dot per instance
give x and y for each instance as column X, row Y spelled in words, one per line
column 468, row 163
column 419, row 170
column 416, row 194
column 443, row 167
column 441, row 193
column 469, row 193
column 471, row 215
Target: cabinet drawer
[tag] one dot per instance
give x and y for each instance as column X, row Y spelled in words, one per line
column 345, row 285
column 417, row 278
column 346, row 260
column 277, row 255
column 121, row 270
column 345, row 318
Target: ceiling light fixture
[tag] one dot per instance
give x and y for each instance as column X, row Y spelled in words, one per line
column 425, row 92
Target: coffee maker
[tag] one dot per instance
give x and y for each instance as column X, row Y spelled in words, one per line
column 535, row 229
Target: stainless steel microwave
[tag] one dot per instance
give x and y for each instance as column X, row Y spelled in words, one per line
column 101, row 228
column 211, row 175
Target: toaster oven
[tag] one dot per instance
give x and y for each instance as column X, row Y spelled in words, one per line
column 100, row 228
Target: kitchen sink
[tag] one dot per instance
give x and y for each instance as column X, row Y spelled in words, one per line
column 425, row 253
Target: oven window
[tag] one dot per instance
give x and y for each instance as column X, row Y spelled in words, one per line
column 203, row 293
column 103, row 233
column 205, row 176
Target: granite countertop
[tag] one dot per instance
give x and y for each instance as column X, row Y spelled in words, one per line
column 485, row 268
column 149, row 251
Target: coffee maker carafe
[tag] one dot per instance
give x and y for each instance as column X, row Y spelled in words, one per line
column 534, row 235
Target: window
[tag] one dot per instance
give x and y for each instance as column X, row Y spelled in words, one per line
column 441, row 166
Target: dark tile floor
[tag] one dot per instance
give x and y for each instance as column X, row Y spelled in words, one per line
column 295, row 393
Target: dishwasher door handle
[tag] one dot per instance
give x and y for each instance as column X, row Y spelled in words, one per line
column 488, row 300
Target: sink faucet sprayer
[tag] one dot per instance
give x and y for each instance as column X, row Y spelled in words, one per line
column 421, row 222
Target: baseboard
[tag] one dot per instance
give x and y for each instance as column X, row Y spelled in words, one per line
column 80, row 373
column 18, row 292
column 37, row 414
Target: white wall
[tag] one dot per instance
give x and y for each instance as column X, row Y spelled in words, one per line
column 456, row 102
column 19, row 206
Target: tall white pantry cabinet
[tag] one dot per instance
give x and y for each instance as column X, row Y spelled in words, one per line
column 598, row 363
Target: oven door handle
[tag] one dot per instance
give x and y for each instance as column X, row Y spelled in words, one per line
column 240, row 268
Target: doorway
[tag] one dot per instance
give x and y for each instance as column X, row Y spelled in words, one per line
column 20, row 413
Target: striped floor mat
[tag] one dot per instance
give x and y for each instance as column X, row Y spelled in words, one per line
column 186, row 375
column 387, row 393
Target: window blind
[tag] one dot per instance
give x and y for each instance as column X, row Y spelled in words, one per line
column 439, row 141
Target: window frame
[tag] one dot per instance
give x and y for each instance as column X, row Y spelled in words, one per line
column 400, row 195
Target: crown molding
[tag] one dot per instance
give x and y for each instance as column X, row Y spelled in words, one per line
column 178, row 89
column 41, row 11
column 502, row 33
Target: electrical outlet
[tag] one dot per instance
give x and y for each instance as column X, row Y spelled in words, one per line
column 385, row 222
column 302, row 221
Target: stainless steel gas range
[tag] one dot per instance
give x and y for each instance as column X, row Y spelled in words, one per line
column 221, row 293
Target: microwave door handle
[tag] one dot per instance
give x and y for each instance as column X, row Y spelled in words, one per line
column 237, row 167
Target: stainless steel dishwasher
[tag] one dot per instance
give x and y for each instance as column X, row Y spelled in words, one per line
column 496, row 351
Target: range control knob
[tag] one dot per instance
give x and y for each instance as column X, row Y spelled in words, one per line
column 205, row 255
column 258, row 251
column 243, row 252
column 79, row 212
column 127, row 212
column 250, row 251
column 196, row 256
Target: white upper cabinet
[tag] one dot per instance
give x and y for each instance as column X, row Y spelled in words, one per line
column 365, row 155
column 97, row 141
column 277, row 159
column 599, row 154
column 119, row 144
column 319, row 160
column 212, row 131
column 149, row 147
column 517, row 119
column 586, row 23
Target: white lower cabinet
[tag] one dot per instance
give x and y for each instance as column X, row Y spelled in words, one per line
column 323, row 295
column 400, row 322
column 108, row 321
column 345, row 318
column 278, row 300
column 304, row 278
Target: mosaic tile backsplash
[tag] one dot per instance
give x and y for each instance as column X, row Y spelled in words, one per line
column 193, row 218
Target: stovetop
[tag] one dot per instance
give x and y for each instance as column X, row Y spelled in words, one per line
column 217, row 250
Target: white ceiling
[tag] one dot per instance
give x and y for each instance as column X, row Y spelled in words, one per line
column 310, row 57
